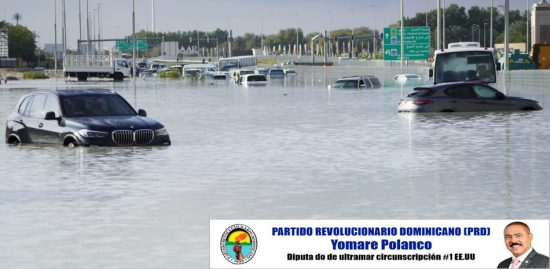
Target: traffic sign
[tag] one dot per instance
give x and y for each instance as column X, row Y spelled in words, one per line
column 416, row 39
column 127, row 45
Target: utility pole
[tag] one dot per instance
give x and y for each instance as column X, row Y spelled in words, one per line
column 134, row 41
column 438, row 31
column 491, row 27
column 55, row 37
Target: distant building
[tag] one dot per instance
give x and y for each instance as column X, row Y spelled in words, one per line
column 50, row 48
column 169, row 48
column 540, row 23
column 3, row 45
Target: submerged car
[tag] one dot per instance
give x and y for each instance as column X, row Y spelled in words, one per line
column 407, row 77
column 462, row 97
column 357, row 82
column 253, row 80
column 82, row 117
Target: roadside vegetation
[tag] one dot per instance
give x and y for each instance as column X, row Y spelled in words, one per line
column 460, row 24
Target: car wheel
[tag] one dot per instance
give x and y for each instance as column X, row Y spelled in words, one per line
column 70, row 143
column 447, row 110
column 13, row 140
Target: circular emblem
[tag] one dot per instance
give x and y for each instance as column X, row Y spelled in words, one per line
column 238, row 244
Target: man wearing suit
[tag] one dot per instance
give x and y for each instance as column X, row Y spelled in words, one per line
column 517, row 237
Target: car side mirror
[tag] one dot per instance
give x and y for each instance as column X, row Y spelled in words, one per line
column 50, row 115
column 142, row 113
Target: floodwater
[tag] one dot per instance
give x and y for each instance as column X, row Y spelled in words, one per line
column 291, row 150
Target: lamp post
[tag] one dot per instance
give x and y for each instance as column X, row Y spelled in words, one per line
column 473, row 26
column 352, row 51
column 491, row 27
column 527, row 26
column 484, row 39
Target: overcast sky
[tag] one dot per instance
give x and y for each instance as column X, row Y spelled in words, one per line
column 242, row 16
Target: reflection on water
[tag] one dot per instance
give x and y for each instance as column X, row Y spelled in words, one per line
column 292, row 150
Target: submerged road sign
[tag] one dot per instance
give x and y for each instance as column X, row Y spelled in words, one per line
column 416, row 39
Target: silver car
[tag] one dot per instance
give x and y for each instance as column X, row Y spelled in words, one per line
column 462, row 97
column 357, row 82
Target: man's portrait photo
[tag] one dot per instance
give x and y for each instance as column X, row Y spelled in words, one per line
column 517, row 238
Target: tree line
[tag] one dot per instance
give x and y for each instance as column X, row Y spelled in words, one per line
column 460, row 25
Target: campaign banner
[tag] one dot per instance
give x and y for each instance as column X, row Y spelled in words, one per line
column 372, row 243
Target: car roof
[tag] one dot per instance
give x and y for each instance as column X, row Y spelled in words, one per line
column 447, row 84
column 357, row 77
column 79, row 92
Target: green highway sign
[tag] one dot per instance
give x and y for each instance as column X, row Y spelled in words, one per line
column 126, row 45
column 416, row 39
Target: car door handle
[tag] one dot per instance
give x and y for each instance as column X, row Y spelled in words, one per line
column 40, row 125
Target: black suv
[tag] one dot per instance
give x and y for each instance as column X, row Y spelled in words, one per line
column 82, row 117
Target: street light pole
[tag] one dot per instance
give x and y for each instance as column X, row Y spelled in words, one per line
column 491, row 27
column 527, row 26
column 484, row 39
column 134, row 36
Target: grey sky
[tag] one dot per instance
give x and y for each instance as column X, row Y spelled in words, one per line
column 242, row 16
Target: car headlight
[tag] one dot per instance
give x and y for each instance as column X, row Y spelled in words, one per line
column 92, row 134
column 161, row 132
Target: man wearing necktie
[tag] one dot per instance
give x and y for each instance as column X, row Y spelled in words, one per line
column 518, row 237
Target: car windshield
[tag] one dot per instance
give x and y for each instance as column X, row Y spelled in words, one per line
column 96, row 105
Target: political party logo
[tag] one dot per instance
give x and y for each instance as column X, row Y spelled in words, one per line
column 238, row 244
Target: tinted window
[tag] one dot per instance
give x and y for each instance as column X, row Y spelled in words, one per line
column 24, row 104
column 485, row 92
column 37, row 106
column 375, row 82
column 365, row 83
column 462, row 91
column 257, row 78
column 52, row 105
column 28, row 106
column 96, row 105
column 421, row 92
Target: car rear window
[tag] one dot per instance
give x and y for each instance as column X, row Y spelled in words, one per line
column 375, row 82
column 421, row 92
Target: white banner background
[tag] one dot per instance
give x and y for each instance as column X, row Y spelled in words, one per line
column 272, row 250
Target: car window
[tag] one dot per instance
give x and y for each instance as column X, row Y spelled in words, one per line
column 460, row 91
column 421, row 92
column 375, row 82
column 37, row 106
column 52, row 105
column 28, row 107
column 96, row 105
column 485, row 92
column 350, row 84
column 362, row 84
column 24, row 105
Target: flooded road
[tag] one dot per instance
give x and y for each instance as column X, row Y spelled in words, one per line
column 291, row 150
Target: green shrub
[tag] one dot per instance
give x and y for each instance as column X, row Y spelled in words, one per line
column 35, row 75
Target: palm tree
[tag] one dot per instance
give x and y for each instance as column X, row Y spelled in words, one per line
column 17, row 16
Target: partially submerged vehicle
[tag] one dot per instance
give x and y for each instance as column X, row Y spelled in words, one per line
column 82, row 117
column 357, row 82
column 463, row 97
